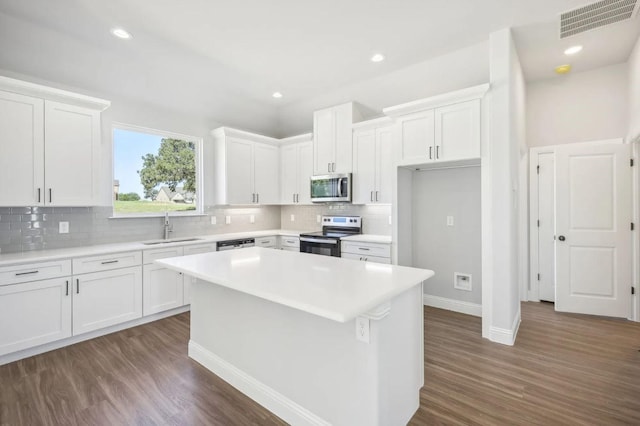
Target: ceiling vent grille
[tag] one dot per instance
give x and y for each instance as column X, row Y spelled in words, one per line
column 596, row 15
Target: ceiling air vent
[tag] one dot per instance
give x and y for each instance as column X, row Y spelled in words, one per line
column 596, row 15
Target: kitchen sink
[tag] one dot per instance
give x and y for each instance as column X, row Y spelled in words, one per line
column 172, row 240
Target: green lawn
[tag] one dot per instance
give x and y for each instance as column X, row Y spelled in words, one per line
column 149, row 207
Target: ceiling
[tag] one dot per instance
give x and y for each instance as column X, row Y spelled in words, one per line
column 224, row 59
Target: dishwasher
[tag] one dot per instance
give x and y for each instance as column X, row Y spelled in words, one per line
column 235, row 244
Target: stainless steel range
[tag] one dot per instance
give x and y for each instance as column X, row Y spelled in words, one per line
column 327, row 241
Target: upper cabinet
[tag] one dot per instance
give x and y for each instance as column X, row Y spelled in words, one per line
column 296, row 168
column 247, row 168
column 373, row 162
column 332, row 143
column 445, row 128
column 50, row 143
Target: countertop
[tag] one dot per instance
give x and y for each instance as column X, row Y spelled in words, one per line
column 57, row 254
column 331, row 287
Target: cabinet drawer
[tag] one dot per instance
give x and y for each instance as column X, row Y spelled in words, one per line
column 149, row 256
column 270, row 242
column 367, row 258
column 34, row 271
column 293, row 242
column 367, row 249
column 200, row 248
column 105, row 262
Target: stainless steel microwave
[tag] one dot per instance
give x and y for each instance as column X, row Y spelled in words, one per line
column 331, row 188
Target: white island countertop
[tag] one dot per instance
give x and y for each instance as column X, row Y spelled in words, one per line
column 330, row 287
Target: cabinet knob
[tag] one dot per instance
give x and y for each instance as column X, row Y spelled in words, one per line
column 561, row 238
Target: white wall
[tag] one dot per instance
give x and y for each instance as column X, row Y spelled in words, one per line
column 456, row 70
column 448, row 249
column 579, row 107
column 500, row 186
column 634, row 93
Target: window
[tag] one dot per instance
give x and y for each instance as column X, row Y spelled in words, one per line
column 155, row 172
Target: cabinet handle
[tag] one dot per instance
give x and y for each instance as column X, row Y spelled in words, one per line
column 329, row 167
column 437, row 152
column 257, row 198
column 26, row 273
column 377, row 195
column 253, row 197
column 38, row 194
column 297, row 198
column 49, row 194
column 430, row 151
column 360, row 258
column 364, row 248
column 110, row 261
column 294, row 198
column 77, row 285
column 67, row 288
column 333, row 169
column 365, row 259
column 371, row 197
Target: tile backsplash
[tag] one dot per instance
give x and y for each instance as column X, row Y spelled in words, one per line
column 375, row 218
column 36, row 228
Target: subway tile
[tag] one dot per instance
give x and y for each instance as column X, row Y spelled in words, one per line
column 20, row 210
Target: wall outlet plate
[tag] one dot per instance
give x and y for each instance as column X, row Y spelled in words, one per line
column 293, row 218
column 318, row 218
column 462, row 281
column 449, row 220
column 213, row 220
column 362, row 329
column 227, row 220
column 63, row 227
column 252, row 219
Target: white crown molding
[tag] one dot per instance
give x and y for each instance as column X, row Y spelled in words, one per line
column 307, row 137
column 373, row 123
column 467, row 308
column 468, row 94
column 222, row 132
column 52, row 94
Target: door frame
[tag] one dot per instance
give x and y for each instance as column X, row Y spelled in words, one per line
column 533, row 290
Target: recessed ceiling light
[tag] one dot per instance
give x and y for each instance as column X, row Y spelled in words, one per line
column 121, row 33
column 563, row 69
column 378, row 57
column 573, row 50
column 277, row 95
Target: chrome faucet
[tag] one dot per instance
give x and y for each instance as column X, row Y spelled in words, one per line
column 168, row 228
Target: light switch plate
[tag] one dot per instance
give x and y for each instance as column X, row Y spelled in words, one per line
column 362, row 329
column 449, row 220
column 252, row 219
column 63, row 227
column 318, row 218
column 293, row 218
column 213, row 220
column 227, row 220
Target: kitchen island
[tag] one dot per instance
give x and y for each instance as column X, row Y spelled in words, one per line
column 314, row 339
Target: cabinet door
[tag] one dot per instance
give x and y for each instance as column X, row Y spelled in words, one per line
column 163, row 289
column 22, row 147
column 323, row 141
column 457, row 131
column 305, row 171
column 288, row 174
column 417, row 136
column 364, row 167
column 72, row 149
column 266, row 161
column 239, row 172
column 106, row 298
column 343, row 161
column 34, row 313
column 385, row 166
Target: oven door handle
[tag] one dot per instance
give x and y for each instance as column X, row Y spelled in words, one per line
column 318, row 240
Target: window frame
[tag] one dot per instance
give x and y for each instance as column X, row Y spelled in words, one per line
column 197, row 141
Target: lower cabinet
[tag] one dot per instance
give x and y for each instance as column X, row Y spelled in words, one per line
column 103, row 299
column 366, row 258
column 366, row 252
column 34, row 313
column 163, row 289
column 289, row 243
column 267, row 242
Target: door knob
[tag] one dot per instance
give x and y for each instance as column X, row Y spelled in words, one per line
column 561, row 238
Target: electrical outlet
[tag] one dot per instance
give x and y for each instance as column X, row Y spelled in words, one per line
column 63, row 227
column 227, row 220
column 390, row 220
column 449, row 220
column 462, row 281
column 213, row 220
column 252, row 219
column 362, row 329
column 293, row 218
column 318, row 218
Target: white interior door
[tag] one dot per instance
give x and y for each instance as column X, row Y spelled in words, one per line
column 593, row 237
column 546, row 227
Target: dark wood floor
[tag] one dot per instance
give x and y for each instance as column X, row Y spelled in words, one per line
column 564, row 369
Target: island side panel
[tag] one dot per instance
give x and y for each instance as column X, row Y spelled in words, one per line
column 315, row 362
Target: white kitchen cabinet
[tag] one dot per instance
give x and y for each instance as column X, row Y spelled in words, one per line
column 34, row 313
column 367, row 252
column 332, row 143
column 15, row 274
column 246, row 168
column 289, row 243
column 163, row 289
column 373, row 165
column 296, row 169
column 106, row 298
column 50, row 144
column 267, row 242
column 444, row 128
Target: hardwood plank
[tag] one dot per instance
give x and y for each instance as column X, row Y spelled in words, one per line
column 564, row 369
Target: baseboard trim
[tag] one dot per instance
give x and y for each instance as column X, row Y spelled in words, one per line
column 468, row 308
column 506, row 336
column 264, row 395
column 26, row 353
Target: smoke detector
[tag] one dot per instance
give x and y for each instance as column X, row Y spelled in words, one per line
column 596, row 15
